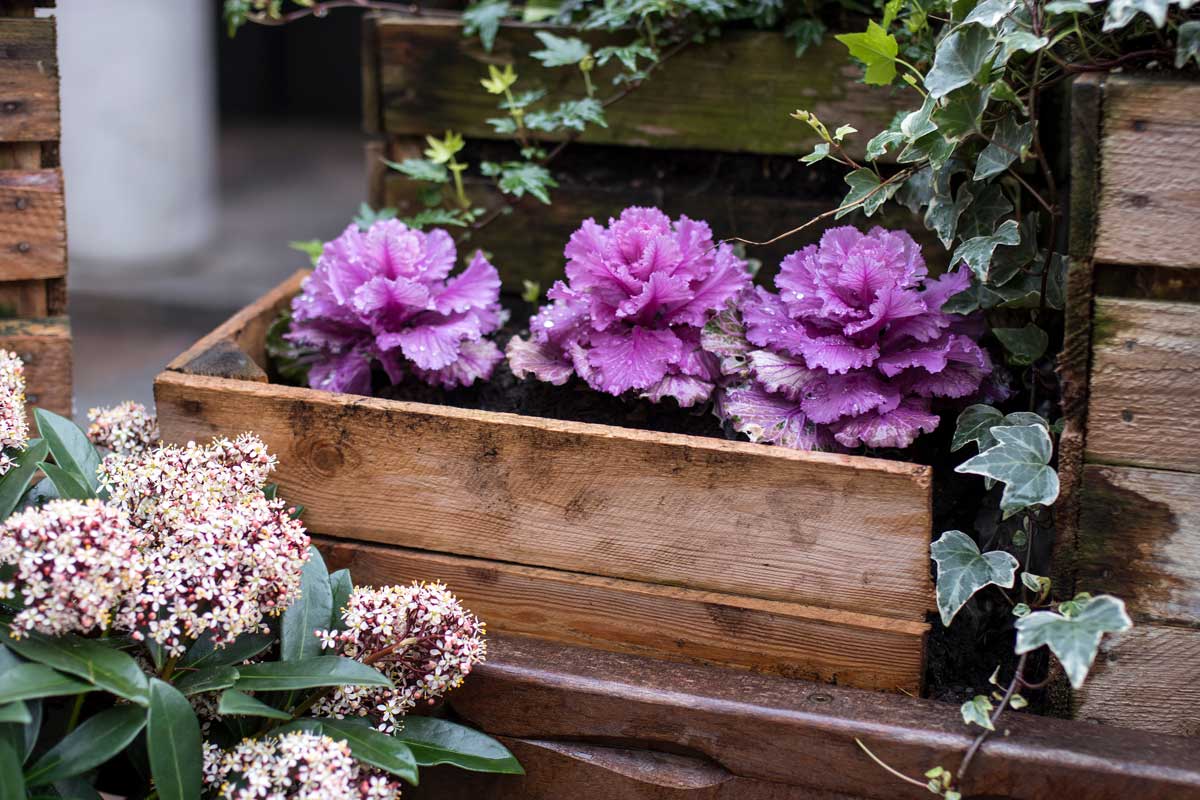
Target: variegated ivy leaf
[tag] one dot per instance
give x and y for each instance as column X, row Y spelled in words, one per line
column 878, row 145
column 1020, row 460
column 1121, row 12
column 1188, row 46
column 1024, row 345
column 917, row 123
column 866, row 192
column 978, row 711
column 1017, row 41
column 1009, row 141
column 560, row 51
column 1069, row 7
column 958, row 59
column 484, row 18
column 962, row 112
column 977, row 251
column 962, row 571
column 990, row 12
column 1074, row 638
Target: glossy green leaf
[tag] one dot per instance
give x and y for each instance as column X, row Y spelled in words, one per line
column 1009, row 140
column 1073, row 639
column 239, row 704
column 958, row 59
column 877, row 49
column 12, row 783
column 961, row 113
column 68, row 485
column 308, row 673
column 76, row 789
column 377, row 749
column 94, row 742
column 311, row 611
column 1024, row 345
column 978, row 711
column 70, row 446
column 209, row 679
column 17, row 479
column 438, row 741
column 962, row 571
column 16, row 712
column 29, row 681
column 977, row 252
column 1020, row 460
column 341, row 583
column 990, row 12
column 202, row 653
column 105, row 667
column 173, row 744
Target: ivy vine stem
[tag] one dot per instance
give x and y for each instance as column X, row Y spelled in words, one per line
column 1013, row 685
column 321, row 9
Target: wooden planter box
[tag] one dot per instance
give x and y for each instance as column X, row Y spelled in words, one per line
column 1132, row 376
column 803, row 564
column 708, row 135
column 33, row 228
column 613, row 727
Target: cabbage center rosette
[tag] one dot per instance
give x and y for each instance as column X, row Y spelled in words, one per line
column 851, row 349
column 629, row 315
column 383, row 297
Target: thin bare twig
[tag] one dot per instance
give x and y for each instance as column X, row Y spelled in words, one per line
column 890, row 770
column 321, row 9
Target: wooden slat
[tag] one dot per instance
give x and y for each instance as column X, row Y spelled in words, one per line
column 45, row 347
column 1149, row 679
column 1145, row 382
column 33, row 225
column 813, row 528
column 524, row 251
column 1148, row 202
column 28, row 80
column 796, row 733
column 430, row 72
column 1140, row 540
column 839, row 647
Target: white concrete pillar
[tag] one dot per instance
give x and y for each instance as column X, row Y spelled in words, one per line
column 139, row 127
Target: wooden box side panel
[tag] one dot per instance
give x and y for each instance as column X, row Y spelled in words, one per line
column 1148, row 201
column 33, row 225
column 28, row 80
column 663, row 621
column 817, row 529
column 45, row 347
column 429, row 82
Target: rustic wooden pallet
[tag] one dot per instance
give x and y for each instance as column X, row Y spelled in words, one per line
column 33, row 255
column 773, row 536
column 1131, row 367
column 611, row 727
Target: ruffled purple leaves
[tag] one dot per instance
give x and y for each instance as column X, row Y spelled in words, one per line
column 851, row 349
column 383, row 296
column 629, row 315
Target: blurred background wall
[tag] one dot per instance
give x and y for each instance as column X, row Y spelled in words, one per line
column 191, row 159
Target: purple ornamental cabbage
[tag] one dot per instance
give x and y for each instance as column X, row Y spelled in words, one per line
column 850, row 350
column 381, row 296
column 630, row 313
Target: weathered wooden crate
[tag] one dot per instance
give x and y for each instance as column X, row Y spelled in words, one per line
column 33, row 256
column 613, row 727
column 1132, row 376
column 804, row 564
column 697, row 138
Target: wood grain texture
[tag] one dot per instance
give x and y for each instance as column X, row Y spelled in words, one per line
column 1149, row 679
column 28, row 80
column 33, row 225
column 45, row 347
column 1140, row 540
column 795, row 733
column 723, row 95
column 848, row 649
column 813, row 528
column 1148, row 200
column 560, row 770
column 1144, row 384
column 25, row 299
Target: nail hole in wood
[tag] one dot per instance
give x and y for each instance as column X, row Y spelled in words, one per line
column 21, row 203
column 23, row 247
column 1127, row 415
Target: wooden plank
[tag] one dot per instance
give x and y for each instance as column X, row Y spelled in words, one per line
column 1148, row 200
column 1149, row 679
column 796, row 733
column 1140, row 540
column 840, row 647
column 25, row 299
column 33, row 225
column 556, row 770
column 429, row 82
column 28, row 80
column 814, row 528
column 45, row 347
column 716, row 191
column 1145, row 380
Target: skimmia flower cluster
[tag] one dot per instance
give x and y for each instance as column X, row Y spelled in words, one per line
column 125, row 428
column 629, row 315
column 294, row 766
column 382, row 297
column 14, row 428
column 850, row 350
column 420, row 636
column 72, row 565
column 220, row 556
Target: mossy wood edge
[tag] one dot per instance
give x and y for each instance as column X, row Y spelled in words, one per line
column 802, row 532
column 721, row 95
column 759, row 737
